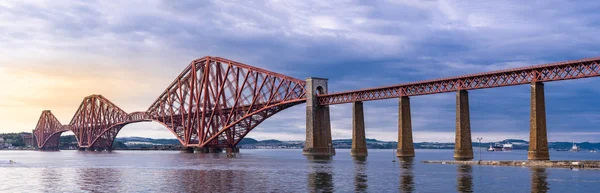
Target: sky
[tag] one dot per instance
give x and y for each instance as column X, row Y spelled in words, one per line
column 54, row 53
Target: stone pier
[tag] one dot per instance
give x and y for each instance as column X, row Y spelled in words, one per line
column 538, row 140
column 318, row 125
column 232, row 150
column 359, row 143
column 463, row 149
column 52, row 149
column 187, row 150
column 201, row 150
column 215, row 150
column 405, row 139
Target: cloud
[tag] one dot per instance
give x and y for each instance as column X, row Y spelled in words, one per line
column 55, row 53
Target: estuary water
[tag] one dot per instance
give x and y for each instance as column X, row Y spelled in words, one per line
column 282, row 170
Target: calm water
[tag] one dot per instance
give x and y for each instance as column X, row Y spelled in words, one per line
column 280, row 171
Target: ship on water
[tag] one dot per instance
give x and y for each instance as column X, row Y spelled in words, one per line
column 575, row 148
column 507, row 147
column 500, row 147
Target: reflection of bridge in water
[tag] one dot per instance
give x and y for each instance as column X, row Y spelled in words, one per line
column 214, row 103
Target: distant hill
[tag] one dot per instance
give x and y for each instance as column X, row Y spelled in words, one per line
column 514, row 141
column 270, row 141
column 148, row 140
column 247, row 141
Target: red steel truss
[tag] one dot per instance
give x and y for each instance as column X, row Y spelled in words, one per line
column 98, row 121
column 540, row 73
column 214, row 102
column 48, row 130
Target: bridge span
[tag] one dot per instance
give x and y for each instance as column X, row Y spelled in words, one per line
column 214, row 103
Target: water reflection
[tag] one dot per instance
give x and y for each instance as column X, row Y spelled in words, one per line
column 211, row 180
column 320, row 177
column 464, row 178
column 50, row 178
column 407, row 182
column 360, row 174
column 538, row 180
column 93, row 179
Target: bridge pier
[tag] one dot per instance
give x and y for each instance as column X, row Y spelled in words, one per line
column 232, row 150
column 49, row 149
column 405, row 139
column 359, row 143
column 215, row 150
column 96, row 149
column 318, row 125
column 201, row 150
column 538, row 140
column 187, row 150
column 463, row 148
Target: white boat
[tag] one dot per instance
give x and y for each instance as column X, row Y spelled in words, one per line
column 575, row 148
column 507, row 147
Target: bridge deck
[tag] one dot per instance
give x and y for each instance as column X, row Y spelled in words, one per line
column 541, row 73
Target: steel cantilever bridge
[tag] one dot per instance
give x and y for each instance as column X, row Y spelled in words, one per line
column 215, row 102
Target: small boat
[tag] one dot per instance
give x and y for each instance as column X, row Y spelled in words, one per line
column 575, row 148
column 593, row 151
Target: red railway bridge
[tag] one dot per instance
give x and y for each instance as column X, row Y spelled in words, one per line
column 214, row 103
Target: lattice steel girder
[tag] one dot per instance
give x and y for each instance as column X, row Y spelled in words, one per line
column 213, row 97
column 46, row 129
column 541, row 73
column 94, row 115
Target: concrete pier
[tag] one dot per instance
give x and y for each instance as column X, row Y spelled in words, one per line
column 405, row 139
column 359, row 143
column 538, row 140
column 463, row 149
column 318, row 125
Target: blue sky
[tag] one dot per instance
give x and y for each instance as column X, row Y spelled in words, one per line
column 54, row 53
